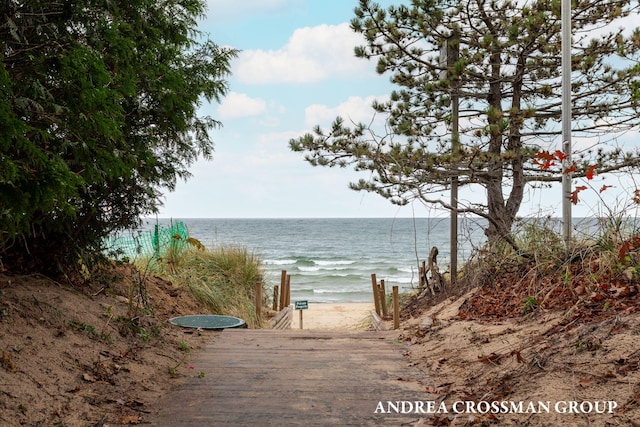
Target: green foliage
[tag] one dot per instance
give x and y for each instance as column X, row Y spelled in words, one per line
column 130, row 327
column 90, row 331
column 184, row 346
column 98, row 115
column 504, row 69
column 529, row 304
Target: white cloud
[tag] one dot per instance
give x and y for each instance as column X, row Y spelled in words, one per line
column 355, row 109
column 236, row 105
column 312, row 54
column 628, row 24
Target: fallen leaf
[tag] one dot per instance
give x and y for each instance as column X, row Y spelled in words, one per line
column 130, row 419
column 439, row 390
column 492, row 358
column 88, row 377
column 624, row 369
column 622, row 291
column 586, row 382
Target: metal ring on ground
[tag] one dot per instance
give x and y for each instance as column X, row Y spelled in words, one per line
column 214, row 322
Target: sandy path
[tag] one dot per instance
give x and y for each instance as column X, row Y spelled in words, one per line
column 329, row 316
column 255, row 377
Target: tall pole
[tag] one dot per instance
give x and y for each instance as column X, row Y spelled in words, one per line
column 566, row 119
column 455, row 146
column 449, row 56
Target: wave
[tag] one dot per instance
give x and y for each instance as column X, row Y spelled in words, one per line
column 328, row 296
column 308, row 269
column 337, row 291
column 336, row 262
column 279, row 261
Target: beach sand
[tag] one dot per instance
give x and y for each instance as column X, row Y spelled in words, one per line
column 330, row 316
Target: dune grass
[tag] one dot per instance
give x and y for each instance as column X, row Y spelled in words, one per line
column 223, row 279
column 599, row 268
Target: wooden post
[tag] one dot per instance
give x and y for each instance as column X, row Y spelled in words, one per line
column 287, row 298
column 376, row 294
column 276, row 299
column 423, row 276
column 396, row 308
column 259, row 300
column 283, row 283
column 383, row 299
column 300, row 318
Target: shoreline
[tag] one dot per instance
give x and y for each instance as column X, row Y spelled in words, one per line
column 334, row 316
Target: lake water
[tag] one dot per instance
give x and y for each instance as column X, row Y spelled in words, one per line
column 331, row 260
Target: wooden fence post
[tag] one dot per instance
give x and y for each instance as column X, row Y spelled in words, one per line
column 396, row 308
column 301, row 318
column 376, row 294
column 383, row 299
column 287, row 299
column 283, row 284
column 275, row 298
column 259, row 300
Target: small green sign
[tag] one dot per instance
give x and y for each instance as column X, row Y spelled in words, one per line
column 302, row 305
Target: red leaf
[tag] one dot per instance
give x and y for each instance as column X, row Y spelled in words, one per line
column 544, row 159
column 574, row 194
column 571, row 168
column 604, row 187
column 544, row 155
column 544, row 165
column 590, row 171
column 560, row 155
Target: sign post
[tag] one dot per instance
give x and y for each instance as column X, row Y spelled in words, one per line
column 302, row 305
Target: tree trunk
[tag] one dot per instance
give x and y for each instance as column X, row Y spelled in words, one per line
column 500, row 218
column 501, row 213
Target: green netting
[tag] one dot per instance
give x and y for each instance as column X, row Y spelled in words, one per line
column 149, row 243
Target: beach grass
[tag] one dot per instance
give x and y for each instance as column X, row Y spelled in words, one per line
column 223, row 279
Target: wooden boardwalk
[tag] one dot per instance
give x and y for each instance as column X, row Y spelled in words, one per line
column 293, row 377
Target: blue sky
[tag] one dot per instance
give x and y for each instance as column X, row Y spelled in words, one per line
column 296, row 70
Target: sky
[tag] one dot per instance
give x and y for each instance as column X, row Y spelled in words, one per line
column 296, row 69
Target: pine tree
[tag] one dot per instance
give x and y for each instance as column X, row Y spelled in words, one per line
column 507, row 78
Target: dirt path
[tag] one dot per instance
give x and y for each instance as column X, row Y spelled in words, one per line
column 265, row 377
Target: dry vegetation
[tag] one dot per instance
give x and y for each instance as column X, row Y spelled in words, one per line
column 536, row 326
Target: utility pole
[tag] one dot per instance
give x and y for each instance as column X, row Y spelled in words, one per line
column 449, row 55
column 565, row 17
